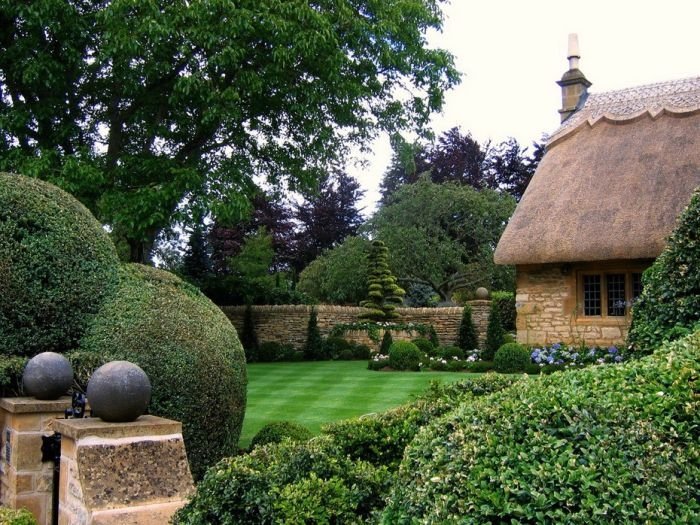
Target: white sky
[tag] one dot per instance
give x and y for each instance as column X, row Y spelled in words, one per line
column 511, row 52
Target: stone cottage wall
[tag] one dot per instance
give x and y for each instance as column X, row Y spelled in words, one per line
column 546, row 303
column 288, row 323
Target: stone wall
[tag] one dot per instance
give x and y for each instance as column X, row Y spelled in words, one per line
column 548, row 306
column 288, row 323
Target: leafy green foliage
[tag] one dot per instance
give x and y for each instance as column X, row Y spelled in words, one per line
column 383, row 295
column 11, row 369
column 277, row 431
column 339, row 275
column 57, row 265
column 340, row 477
column 424, row 345
column 313, row 350
column 442, row 235
column 506, row 309
column 450, row 352
column 139, row 107
column 404, row 355
column 16, row 517
column 189, row 350
column 495, row 335
column 285, row 483
column 612, row 443
column 669, row 306
column 511, row 357
column 467, row 339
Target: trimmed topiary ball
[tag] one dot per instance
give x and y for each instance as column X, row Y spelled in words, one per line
column 425, row 346
column 57, row 264
column 188, row 348
column 404, row 355
column 511, row 358
column 277, row 431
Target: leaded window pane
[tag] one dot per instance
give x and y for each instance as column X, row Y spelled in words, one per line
column 615, row 284
column 591, row 295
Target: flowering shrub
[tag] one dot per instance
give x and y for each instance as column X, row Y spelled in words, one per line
column 378, row 362
column 373, row 328
column 558, row 354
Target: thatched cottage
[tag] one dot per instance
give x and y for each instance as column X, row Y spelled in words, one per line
column 605, row 196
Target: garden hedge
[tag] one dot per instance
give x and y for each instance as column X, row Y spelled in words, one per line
column 189, row 350
column 614, row 444
column 57, row 264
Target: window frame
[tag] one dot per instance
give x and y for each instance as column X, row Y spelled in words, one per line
column 603, row 279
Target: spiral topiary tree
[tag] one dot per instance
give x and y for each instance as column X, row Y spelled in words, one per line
column 57, row 264
column 383, row 295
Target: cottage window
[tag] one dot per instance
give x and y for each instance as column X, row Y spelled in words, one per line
column 609, row 294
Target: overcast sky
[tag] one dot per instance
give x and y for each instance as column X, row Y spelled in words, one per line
column 511, row 52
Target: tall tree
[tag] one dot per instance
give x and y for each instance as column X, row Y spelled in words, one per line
column 327, row 217
column 442, row 235
column 270, row 212
column 459, row 158
column 147, row 109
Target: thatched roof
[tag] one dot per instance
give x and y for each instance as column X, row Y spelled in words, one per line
column 613, row 180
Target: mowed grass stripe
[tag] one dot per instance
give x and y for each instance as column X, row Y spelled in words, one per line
column 315, row 393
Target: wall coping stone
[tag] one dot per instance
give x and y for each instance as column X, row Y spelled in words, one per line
column 145, row 425
column 32, row 405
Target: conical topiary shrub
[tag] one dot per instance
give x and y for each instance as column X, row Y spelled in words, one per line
column 383, row 295
column 467, row 339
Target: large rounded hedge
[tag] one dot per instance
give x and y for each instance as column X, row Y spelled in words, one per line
column 613, row 444
column 57, row 265
column 188, row 348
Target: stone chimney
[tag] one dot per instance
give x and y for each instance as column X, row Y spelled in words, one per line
column 574, row 84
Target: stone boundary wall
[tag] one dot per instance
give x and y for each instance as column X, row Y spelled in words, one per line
column 288, row 323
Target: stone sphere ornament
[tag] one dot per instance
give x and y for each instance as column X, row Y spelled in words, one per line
column 47, row 376
column 118, row 392
column 482, row 293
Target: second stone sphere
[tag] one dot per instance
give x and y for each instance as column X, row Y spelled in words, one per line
column 118, row 392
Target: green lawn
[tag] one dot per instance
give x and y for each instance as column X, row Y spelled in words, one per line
column 319, row 392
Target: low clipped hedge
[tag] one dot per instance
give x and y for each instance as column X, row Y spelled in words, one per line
column 342, row 476
column 511, row 358
column 189, row 350
column 404, row 355
column 614, row 444
column 277, row 431
column 57, row 265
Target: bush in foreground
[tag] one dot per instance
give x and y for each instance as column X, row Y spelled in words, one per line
column 189, row 350
column 57, row 265
column 611, row 443
column 343, row 476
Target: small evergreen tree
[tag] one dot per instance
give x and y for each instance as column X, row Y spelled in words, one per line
column 384, row 295
column 313, row 351
column 495, row 335
column 387, row 341
column 467, row 339
column 249, row 339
